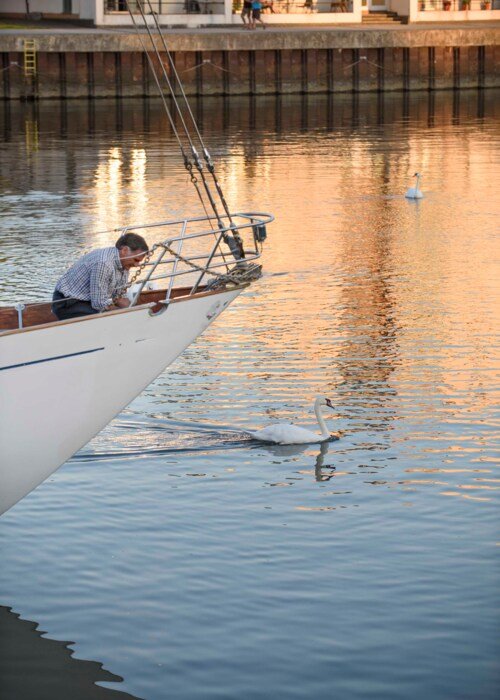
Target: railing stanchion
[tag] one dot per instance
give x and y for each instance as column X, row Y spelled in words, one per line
column 174, row 268
column 20, row 308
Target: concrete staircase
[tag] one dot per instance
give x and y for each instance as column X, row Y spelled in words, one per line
column 376, row 18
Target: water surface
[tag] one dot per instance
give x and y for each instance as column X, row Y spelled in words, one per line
column 198, row 565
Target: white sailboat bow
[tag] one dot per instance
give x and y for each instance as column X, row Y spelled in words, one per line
column 61, row 382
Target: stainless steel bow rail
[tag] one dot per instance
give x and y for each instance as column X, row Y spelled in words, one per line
column 186, row 252
column 192, row 248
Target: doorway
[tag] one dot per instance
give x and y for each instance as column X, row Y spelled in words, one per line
column 373, row 5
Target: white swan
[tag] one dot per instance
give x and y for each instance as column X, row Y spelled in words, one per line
column 288, row 434
column 414, row 192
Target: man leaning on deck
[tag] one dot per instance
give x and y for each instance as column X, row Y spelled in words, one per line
column 97, row 280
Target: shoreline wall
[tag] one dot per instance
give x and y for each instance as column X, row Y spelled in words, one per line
column 93, row 64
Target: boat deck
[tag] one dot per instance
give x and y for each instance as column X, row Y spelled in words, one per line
column 41, row 314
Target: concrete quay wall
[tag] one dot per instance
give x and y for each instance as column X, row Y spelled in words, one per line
column 95, row 64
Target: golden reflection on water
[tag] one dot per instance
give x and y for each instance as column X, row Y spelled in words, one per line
column 446, row 471
column 464, row 495
column 388, row 306
column 391, row 301
column 108, row 183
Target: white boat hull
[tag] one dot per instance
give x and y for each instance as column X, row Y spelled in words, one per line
column 60, row 384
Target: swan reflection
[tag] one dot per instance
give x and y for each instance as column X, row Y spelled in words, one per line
column 322, row 471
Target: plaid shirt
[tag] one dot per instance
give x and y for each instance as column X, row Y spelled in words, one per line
column 97, row 277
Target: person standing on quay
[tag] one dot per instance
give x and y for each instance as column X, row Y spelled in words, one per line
column 256, row 14
column 246, row 13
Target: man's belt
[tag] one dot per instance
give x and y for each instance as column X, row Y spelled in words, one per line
column 63, row 301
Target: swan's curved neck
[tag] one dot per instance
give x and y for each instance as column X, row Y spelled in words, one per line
column 320, row 419
column 418, row 181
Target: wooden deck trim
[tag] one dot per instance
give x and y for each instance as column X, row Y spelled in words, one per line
column 150, row 306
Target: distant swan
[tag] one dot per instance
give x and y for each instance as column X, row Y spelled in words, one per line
column 288, row 434
column 414, row 192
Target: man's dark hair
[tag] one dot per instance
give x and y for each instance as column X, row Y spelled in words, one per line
column 133, row 241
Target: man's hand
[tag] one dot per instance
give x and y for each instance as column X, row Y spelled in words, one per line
column 122, row 303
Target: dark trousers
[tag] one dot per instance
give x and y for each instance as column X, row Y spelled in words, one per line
column 65, row 308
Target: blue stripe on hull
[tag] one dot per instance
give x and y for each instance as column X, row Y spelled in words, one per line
column 51, row 359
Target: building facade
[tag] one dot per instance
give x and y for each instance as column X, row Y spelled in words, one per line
column 199, row 13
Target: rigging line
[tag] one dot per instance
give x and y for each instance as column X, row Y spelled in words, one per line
column 187, row 162
column 153, row 69
column 174, row 70
column 206, row 62
column 186, row 131
column 150, row 62
column 364, row 59
column 206, row 154
column 234, row 242
column 12, row 64
column 177, row 107
column 209, row 218
column 163, row 69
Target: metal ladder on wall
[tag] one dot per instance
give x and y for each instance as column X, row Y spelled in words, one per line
column 29, row 58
